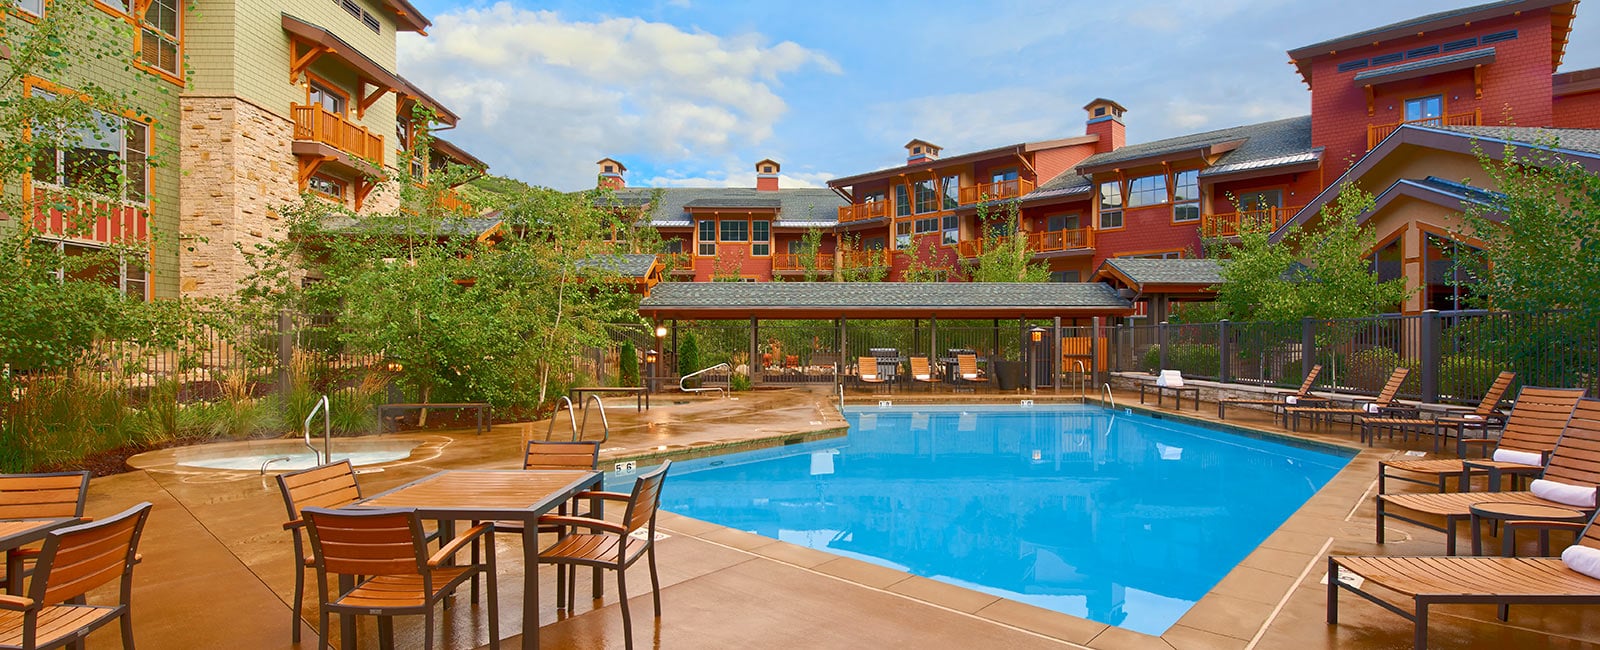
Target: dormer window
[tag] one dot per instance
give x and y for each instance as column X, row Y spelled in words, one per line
column 1099, row 111
column 767, row 169
column 610, row 169
column 916, row 150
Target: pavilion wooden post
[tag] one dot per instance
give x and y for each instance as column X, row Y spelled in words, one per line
column 1024, row 352
column 933, row 340
column 755, row 349
column 1055, row 355
column 1094, row 351
column 838, row 361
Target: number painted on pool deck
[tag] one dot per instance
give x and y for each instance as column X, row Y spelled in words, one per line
column 626, row 466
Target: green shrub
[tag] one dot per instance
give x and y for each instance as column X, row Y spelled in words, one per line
column 629, row 363
column 1465, row 377
column 1192, row 359
column 688, row 355
column 56, row 421
column 738, row 382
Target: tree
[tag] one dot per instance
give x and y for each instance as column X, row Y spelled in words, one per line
column 922, row 260
column 859, row 264
column 1005, row 256
column 628, row 360
column 1322, row 272
column 810, row 251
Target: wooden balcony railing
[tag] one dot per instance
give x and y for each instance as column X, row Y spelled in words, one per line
column 863, row 211
column 678, row 262
column 995, row 191
column 1227, row 224
column 863, row 259
column 790, row 262
column 316, row 124
column 1060, row 240
column 451, row 201
column 1377, row 132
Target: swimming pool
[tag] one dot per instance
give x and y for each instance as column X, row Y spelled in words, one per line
column 1122, row 519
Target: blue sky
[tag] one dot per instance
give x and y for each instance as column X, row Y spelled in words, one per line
column 694, row 92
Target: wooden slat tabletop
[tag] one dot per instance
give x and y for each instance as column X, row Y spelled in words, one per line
column 506, row 489
column 12, row 530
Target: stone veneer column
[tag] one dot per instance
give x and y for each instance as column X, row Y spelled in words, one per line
column 238, row 168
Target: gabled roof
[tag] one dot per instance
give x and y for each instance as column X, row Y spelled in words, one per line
column 1065, row 184
column 630, row 265
column 407, row 16
column 1251, row 143
column 1010, row 149
column 1143, row 272
column 879, row 299
column 796, row 206
column 441, row 114
column 450, row 149
column 1581, row 140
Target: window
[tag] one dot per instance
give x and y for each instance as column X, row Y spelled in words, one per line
column 872, row 244
column 928, row 225
column 708, row 238
column 1004, row 175
column 1111, row 204
column 1425, row 110
column 1063, row 276
column 402, row 135
column 672, row 246
column 325, row 96
column 1060, row 222
column 902, row 203
column 927, row 197
column 767, row 169
column 352, row 7
column 371, row 23
column 610, row 169
column 902, row 235
column 1186, row 196
column 951, row 230
column 131, row 279
column 1099, row 110
column 1149, row 190
column 761, row 238
column 1261, row 201
column 733, row 231
column 158, row 36
column 873, row 197
column 952, row 192
column 916, row 150
column 107, row 158
column 35, row 7
column 1168, row 255
column 325, row 186
column 1450, row 269
column 796, row 246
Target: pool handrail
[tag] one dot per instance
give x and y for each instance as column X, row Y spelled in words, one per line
column 1083, row 379
column 557, row 413
column 1109, row 397
column 605, row 424
column 327, row 431
column 685, row 388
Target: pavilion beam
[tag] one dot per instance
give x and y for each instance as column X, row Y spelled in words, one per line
column 750, row 366
column 1055, row 355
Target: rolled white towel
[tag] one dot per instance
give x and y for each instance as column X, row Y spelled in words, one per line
column 1519, row 457
column 1372, row 408
column 1472, row 416
column 1563, row 493
column 1582, row 559
column 1292, row 399
column 868, row 376
column 923, row 377
column 969, row 375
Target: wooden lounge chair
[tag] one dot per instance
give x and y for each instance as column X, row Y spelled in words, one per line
column 1303, row 395
column 867, row 371
column 1487, row 414
column 967, row 368
column 922, row 373
column 386, row 553
column 1377, row 406
column 1575, row 461
column 1502, row 581
column 612, row 545
column 41, row 496
column 1534, row 426
column 73, row 561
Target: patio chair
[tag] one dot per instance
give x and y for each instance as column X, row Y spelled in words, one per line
column 612, row 545
column 967, row 368
column 1574, row 462
column 583, row 455
column 1301, row 396
column 72, row 562
column 1481, row 418
column 1501, row 581
column 1536, row 421
column 867, row 371
column 385, row 553
column 1379, row 405
column 922, row 372
column 41, row 496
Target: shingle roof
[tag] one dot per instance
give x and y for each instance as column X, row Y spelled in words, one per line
column 806, row 205
column 1459, row 190
column 1263, row 141
column 1426, row 64
column 1585, row 140
column 627, row 265
column 846, row 295
column 1407, row 25
column 1066, row 183
column 1202, row 272
column 451, row 227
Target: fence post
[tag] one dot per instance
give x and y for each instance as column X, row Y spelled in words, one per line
column 1056, row 371
column 285, row 350
column 1430, row 349
column 755, row 351
column 1224, row 367
column 1308, row 346
column 1161, row 344
column 1094, row 351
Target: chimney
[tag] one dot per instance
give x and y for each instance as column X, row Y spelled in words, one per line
column 611, row 174
column 921, row 151
column 1105, row 120
column 767, row 175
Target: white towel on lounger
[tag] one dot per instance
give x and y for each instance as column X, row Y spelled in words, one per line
column 1472, row 416
column 1582, row 559
column 1372, row 408
column 1292, row 399
column 1519, row 457
column 1563, row 493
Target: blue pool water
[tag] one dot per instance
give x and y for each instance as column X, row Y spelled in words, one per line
column 1122, row 519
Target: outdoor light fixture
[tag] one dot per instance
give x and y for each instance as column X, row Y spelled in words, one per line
column 650, row 356
column 1036, row 334
column 394, row 366
column 661, row 331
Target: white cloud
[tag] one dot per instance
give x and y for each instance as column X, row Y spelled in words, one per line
column 734, row 173
column 542, row 97
column 962, row 122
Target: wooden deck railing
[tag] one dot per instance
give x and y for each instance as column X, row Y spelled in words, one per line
column 1377, row 132
column 451, row 201
column 680, row 262
column 863, row 259
column 92, row 219
column 317, row 124
column 1227, row 224
column 995, row 191
column 863, row 211
column 1052, row 241
column 793, row 262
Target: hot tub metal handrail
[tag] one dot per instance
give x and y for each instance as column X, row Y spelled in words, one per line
column 557, row 414
column 685, row 388
column 327, row 431
column 605, row 424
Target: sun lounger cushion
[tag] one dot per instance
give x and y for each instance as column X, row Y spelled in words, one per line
column 1472, row 416
column 1519, row 457
column 869, row 375
column 922, row 377
column 1582, row 559
column 1572, row 495
column 1372, row 408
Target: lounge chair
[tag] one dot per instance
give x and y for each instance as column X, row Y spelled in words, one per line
column 1377, row 406
column 867, row 371
column 967, row 368
column 1303, row 395
column 1502, row 581
column 54, row 612
column 922, row 373
column 39, row 496
column 1575, row 462
column 1486, row 415
column 1534, row 426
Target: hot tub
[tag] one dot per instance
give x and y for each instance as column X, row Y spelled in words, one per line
column 281, row 455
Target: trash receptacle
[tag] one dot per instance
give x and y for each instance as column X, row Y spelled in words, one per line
column 1008, row 374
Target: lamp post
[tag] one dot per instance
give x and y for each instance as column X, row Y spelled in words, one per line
column 650, row 360
column 660, row 351
column 1036, row 336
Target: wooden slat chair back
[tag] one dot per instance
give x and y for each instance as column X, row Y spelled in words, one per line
column 43, row 496
column 327, row 486
column 1392, row 387
column 967, row 365
column 1311, row 378
column 867, row 369
column 920, row 370
column 562, row 455
column 72, row 562
column 367, row 542
column 646, row 500
column 1490, row 404
column 1538, row 418
column 1576, row 460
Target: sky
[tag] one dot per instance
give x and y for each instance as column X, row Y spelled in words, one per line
column 694, row 92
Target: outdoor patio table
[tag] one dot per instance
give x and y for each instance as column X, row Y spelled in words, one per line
column 16, row 533
column 492, row 495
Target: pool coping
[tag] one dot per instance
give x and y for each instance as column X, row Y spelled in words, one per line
column 1235, row 613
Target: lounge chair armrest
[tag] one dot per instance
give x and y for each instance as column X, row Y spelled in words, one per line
column 583, row 522
column 16, row 603
column 292, row 525
column 609, row 496
column 454, row 545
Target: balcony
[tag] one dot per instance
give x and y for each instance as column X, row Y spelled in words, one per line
column 996, row 191
column 863, row 259
column 316, row 124
column 678, row 262
column 1227, row 224
column 1039, row 243
column 792, row 263
column 863, row 211
column 1377, row 132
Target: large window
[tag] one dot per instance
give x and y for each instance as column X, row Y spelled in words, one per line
column 952, row 192
column 158, row 35
column 1060, row 222
column 708, row 239
column 1451, row 269
column 951, row 230
column 672, row 246
column 1428, row 109
column 130, row 278
column 902, row 235
column 735, row 231
column 1149, row 190
column 1261, row 201
column 1186, row 196
column 927, row 197
column 902, row 202
column 35, row 7
column 1111, row 204
column 318, row 93
column 760, row 238
column 107, row 157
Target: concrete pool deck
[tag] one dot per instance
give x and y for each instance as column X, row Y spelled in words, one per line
column 217, row 570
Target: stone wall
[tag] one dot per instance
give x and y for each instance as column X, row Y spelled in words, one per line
column 238, row 169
